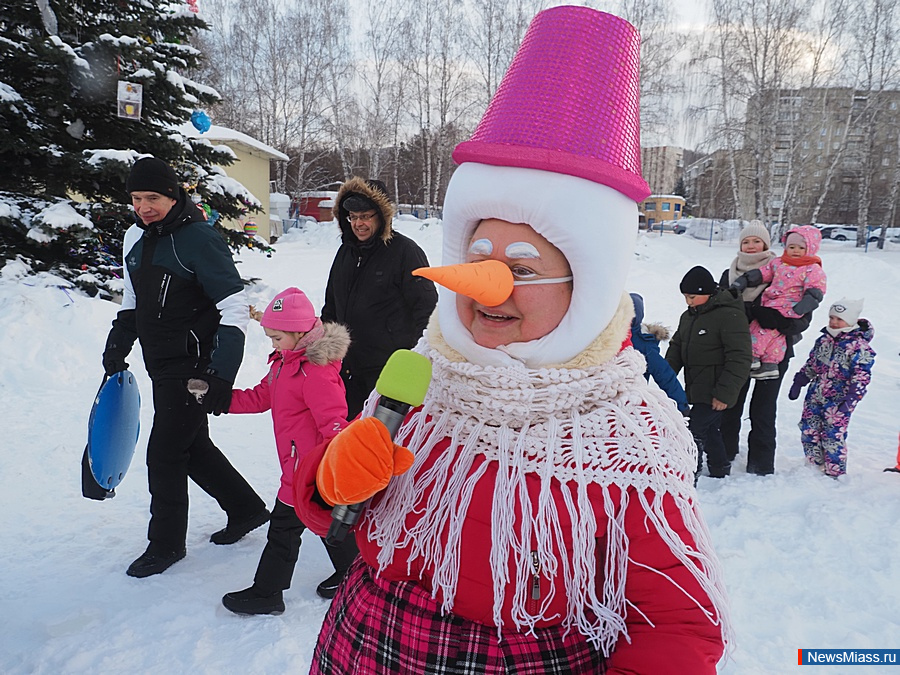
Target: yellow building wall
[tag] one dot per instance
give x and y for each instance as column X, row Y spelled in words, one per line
column 251, row 170
column 656, row 214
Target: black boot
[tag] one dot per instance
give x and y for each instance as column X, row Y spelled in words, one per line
column 252, row 601
column 329, row 587
column 149, row 563
column 235, row 531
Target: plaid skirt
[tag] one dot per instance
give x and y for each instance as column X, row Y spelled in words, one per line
column 384, row 627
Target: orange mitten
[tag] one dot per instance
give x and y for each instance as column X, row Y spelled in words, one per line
column 359, row 462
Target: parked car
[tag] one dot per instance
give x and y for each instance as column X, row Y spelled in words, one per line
column 838, row 232
column 715, row 230
column 676, row 226
column 893, row 235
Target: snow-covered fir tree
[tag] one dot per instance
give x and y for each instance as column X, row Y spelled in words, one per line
column 65, row 151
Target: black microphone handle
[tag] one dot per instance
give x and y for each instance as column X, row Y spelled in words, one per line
column 391, row 413
column 344, row 516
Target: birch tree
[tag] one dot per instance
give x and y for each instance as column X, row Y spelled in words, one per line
column 271, row 61
column 382, row 84
column 660, row 49
column 440, row 89
column 819, row 68
column 875, row 32
column 495, row 29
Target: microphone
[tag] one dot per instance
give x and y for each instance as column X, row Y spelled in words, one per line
column 402, row 385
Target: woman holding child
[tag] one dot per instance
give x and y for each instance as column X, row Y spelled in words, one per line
column 754, row 253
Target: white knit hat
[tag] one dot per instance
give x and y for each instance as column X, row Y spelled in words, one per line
column 755, row 228
column 847, row 309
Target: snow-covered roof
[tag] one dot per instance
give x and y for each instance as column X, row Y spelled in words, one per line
column 217, row 133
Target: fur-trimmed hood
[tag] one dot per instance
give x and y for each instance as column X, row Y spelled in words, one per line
column 657, row 330
column 330, row 347
column 304, row 392
column 371, row 190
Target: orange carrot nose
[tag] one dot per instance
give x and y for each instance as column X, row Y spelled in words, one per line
column 489, row 282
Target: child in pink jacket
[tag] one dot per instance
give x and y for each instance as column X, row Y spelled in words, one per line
column 304, row 391
column 796, row 287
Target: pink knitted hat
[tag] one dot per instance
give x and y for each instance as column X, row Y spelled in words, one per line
column 290, row 311
column 568, row 103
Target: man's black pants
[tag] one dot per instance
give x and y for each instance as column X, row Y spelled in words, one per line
column 180, row 448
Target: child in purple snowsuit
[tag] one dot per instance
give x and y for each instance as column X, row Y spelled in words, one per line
column 838, row 371
column 796, row 287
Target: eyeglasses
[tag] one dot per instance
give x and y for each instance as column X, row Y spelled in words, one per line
column 538, row 282
column 362, row 217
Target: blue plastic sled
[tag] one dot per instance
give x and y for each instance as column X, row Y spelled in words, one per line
column 113, row 429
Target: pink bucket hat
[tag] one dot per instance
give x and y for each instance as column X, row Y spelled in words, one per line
column 558, row 148
column 569, row 102
column 290, row 311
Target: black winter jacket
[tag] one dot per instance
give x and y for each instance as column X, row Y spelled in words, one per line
column 371, row 289
column 184, row 299
column 712, row 344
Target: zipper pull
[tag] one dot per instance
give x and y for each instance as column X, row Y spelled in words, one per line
column 293, row 449
column 358, row 261
column 535, row 577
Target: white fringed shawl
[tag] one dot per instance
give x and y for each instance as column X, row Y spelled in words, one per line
column 600, row 425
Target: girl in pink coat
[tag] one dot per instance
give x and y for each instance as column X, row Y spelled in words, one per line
column 796, row 287
column 304, row 391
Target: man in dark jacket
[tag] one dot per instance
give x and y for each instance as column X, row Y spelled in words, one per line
column 371, row 289
column 712, row 344
column 184, row 300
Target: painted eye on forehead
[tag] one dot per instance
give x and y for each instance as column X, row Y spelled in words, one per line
column 521, row 249
column 481, row 247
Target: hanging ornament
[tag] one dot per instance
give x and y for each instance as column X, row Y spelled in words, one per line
column 250, row 228
column 130, row 97
column 201, row 121
column 192, row 5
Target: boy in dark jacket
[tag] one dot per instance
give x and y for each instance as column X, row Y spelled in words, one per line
column 712, row 344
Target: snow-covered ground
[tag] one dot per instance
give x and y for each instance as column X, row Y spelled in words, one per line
column 810, row 562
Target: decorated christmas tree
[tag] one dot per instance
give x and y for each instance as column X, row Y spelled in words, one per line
column 85, row 89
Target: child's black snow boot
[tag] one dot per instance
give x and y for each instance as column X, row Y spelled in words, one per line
column 253, row 601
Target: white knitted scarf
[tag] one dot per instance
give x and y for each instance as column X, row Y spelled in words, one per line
column 600, row 425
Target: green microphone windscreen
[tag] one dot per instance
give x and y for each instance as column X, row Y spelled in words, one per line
column 405, row 377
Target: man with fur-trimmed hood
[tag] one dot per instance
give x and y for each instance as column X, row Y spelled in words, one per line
column 371, row 289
